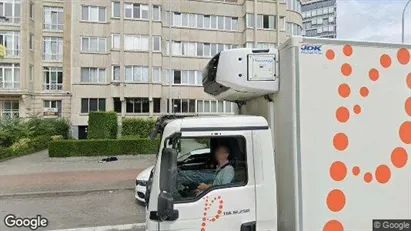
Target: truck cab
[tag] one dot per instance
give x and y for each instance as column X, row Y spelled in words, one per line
column 249, row 140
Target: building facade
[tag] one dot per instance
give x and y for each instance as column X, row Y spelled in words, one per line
column 319, row 18
column 67, row 58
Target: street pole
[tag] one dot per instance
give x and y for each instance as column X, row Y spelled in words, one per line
column 403, row 21
column 170, row 101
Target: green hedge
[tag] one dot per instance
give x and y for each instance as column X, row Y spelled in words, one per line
column 137, row 127
column 67, row 148
column 102, row 125
column 25, row 146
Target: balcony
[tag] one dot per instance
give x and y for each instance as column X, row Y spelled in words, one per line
column 52, row 87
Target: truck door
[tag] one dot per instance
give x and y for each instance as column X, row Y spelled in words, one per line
column 224, row 206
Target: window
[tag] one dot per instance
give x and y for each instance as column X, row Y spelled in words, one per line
column 137, row 105
column 156, row 43
column 156, row 13
column 115, row 41
column 10, row 10
column 136, row 74
column 31, row 10
column 93, row 75
column 52, row 107
column 136, row 11
column 52, row 78
column 282, row 23
column 250, row 20
column 53, row 18
column 156, row 75
column 11, row 40
column 156, row 105
column 116, row 73
column 235, row 174
column 53, row 48
column 115, row 9
column 198, row 49
column 117, row 105
column 10, row 109
column 213, row 107
column 136, row 42
column 265, row 22
column 93, row 14
column 182, row 105
column 93, row 104
column 93, row 44
column 9, row 76
column 31, row 42
column 185, row 77
column 203, row 21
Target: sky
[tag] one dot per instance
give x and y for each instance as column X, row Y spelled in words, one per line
column 373, row 20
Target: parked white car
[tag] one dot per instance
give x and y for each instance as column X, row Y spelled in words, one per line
column 143, row 176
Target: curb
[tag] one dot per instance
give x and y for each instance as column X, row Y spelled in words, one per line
column 107, row 228
column 61, row 193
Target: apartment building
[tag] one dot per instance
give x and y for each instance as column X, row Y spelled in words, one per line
column 320, row 18
column 67, row 58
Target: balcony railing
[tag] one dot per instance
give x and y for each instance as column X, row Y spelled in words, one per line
column 53, row 87
column 10, row 86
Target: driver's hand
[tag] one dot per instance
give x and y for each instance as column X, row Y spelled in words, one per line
column 202, row 187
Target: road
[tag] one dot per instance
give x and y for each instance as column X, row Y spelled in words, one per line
column 82, row 210
column 71, row 193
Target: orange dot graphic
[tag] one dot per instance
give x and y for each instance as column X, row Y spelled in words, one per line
column 217, row 216
column 408, row 106
column 347, row 50
column 364, row 91
column 204, row 219
column 405, row 132
column 403, row 56
column 342, row 114
column 356, row 171
column 368, row 177
column 213, row 220
column 202, row 229
column 385, row 61
column 399, row 157
column 219, row 211
column 204, row 224
column 336, row 200
column 333, row 225
column 373, row 74
column 383, row 174
column 220, row 207
column 330, row 54
column 409, row 80
column 338, row 171
column 344, row 90
column 340, row 141
column 346, row 69
column 205, row 214
column 357, row 109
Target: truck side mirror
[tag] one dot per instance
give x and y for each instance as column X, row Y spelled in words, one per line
column 168, row 179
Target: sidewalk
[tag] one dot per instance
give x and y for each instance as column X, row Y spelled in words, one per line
column 37, row 173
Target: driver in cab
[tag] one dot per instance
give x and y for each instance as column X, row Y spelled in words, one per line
column 224, row 172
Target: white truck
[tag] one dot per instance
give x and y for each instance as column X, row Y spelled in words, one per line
column 322, row 142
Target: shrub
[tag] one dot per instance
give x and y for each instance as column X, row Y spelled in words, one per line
column 61, row 128
column 6, row 139
column 24, row 146
column 67, row 148
column 137, row 127
column 59, row 137
column 102, row 125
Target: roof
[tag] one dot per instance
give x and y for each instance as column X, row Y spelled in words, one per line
column 220, row 121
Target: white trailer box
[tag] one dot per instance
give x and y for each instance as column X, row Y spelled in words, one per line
column 342, row 132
